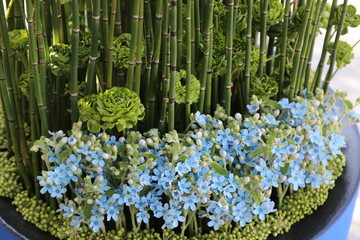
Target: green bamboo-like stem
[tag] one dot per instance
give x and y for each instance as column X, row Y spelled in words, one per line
column 90, row 78
column 109, row 69
column 307, row 82
column 41, row 51
column 305, row 49
column 165, row 64
column 67, row 13
column 320, row 68
column 179, row 32
column 155, row 62
column 208, row 92
column 59, row 15
column 74, row 61
column 229, row 53
column 34, row 136
column 118, row 22
column 19, row 16
column 9, row 16
column 188, row 62
column 329, row 74
column 133, row 44
column 149, row 46
column 13, row 131
column 55, row 23
column 139, row 49
column 263, row 17
column 34, row 70
column 7, row 128
column 269, row 55
column 173, row 58
column 298, row 47
column 248, row 53
column 12, row 87
column 195, row 34
column 205, row 68
column 284, row 40
column 105, row 40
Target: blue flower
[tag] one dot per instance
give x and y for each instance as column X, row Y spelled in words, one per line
column 286, row 104
column 143, row 216
column 263, row 209
column 68, row 210
column 112, row 142
column 242, row 213
column 190, row 202
column 76, row 222
column 174, row 217
column 184, row 186
column 96, row 223
column 57, row 191
column 215, row 222
column 253, row 108
column 112, row 213
column 225, row 138
column 200, row 118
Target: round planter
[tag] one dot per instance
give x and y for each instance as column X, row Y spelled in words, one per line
column 330, row 221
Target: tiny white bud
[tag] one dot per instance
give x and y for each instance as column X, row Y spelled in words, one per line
column 122, row 139
column 130, row 182
column 142, row 142
column 223, row 154
column 231, row 159
column 102, row 210
column 78, row 135
column 117, row 173
column 73, row 168
column 99, row 178
column 175, row 157
column 238, row 116
column 256, row 116
column 246, row 180
column 99, row 170
column 237, row 166
column 105, row 156
column 90, row 201
column 276, row 112
column 149, row 141
column 142, row 159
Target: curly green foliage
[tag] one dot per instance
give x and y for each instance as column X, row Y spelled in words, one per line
column 84, row 49
column 219, row 60
column 121, row 53
column 24, row 83
column 344, row 53
column 60, row 55
column 241, row 20
column 180, row 88
column 88, row 112
column 9, row 177
column 19, row 41
column 240, row 56
column 219, row 15
column 117, row 107
column 351, row 18
column 274, row 14
column 264, row 87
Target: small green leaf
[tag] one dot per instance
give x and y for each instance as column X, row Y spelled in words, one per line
column 93, row 126
column 285, row 168
column 150, row 156
column 219, row 169
column 87, row 210
column 271, row 103
column 270, row 141
column 257, row 152
column 348, row 104
column 256, row 196
column 142, row 167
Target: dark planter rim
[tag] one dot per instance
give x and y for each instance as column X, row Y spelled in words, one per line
column 315, row 224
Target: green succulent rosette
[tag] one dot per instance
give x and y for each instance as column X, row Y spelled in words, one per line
column 121, row 53
column 344, row 53
column 180, row 88
column 275, row 13
column 19, row 42
column 60, row 56
column 89, row 113
column 119, row 107
column 264, row 87
column 351, row 18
